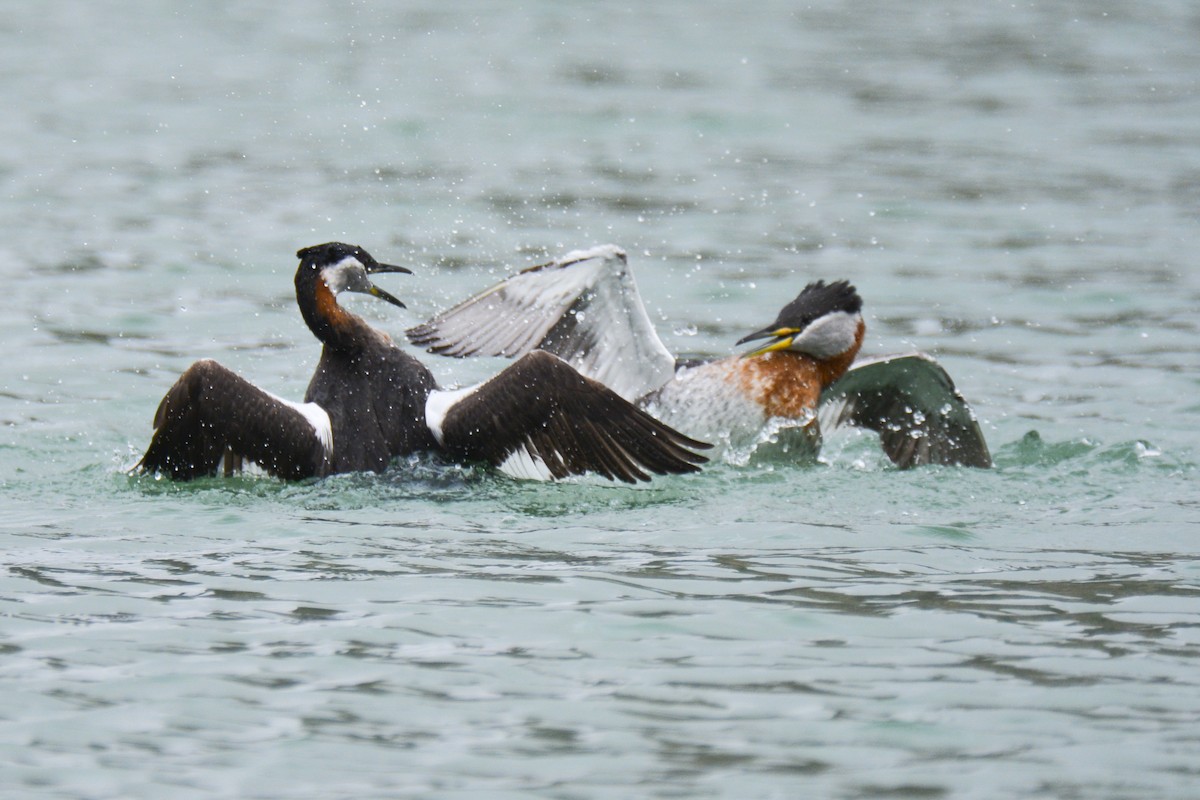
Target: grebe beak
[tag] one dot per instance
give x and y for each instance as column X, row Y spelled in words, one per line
column 382, row 295
column 782, row 340
column 374, row 267
column 377, row 267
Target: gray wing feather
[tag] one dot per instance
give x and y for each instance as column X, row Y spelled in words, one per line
column 911, row 402
column 584, row 308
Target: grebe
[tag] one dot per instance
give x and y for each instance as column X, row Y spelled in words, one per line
column 369, row 401
column 585, row 308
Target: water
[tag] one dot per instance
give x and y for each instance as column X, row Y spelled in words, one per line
column 1013, row 188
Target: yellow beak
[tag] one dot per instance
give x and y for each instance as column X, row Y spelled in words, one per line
column 782, row 340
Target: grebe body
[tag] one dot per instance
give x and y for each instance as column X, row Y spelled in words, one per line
column 586, row 308
column 369, row 402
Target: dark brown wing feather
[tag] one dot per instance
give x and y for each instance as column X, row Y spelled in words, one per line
column 911, row 402
column 211, row 412
column 571, row 423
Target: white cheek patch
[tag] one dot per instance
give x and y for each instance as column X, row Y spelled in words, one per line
column 345, row 274
column 829, row 336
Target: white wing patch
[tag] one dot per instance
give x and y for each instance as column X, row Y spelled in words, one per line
column 317, row 417
column 438, row 404
column 523, row 465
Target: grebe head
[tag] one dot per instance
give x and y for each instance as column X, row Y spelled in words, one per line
column 346, row 268
column 823, row 322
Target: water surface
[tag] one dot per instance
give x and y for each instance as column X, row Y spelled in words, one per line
column 1013, row 188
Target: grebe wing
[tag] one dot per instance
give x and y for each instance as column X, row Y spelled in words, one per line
column 584, row 308
column 540, row 418
column 911, row 402
column 212, row 413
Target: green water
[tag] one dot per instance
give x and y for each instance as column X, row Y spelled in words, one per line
column 1012, row 189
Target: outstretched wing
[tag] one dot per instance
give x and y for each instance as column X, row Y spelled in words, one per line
column 211, row 413
column 585, row 308
column 540, row 417
column 913, row 405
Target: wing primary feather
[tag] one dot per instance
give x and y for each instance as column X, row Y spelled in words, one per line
column 573, row 424
column 211, row 414
column 911, row 402
column 584, row 307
